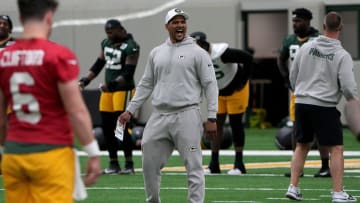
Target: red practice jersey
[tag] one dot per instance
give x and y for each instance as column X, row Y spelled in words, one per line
column 29, row 73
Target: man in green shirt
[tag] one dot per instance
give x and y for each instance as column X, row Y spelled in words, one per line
column 119, row 56
column 5, row 31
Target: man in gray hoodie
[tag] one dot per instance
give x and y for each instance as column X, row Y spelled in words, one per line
column 177, row 74
column 321, row 73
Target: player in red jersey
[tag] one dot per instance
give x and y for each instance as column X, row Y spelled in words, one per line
column 38, row 81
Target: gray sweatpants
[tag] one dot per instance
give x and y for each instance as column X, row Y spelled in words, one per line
column 164, row 133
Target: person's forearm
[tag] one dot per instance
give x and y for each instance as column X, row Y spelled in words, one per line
column 81, row 125
column 283, row 68
column 212, row 93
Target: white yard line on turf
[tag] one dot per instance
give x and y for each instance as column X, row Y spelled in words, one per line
column 209, row 188
column 287, row 199
column 246, row 153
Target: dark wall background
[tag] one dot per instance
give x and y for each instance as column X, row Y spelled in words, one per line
column 91, row 98
column 275, row 99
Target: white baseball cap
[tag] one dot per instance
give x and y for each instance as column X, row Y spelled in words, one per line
column 175, row 12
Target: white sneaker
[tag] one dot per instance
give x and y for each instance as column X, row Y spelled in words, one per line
column 207, row 171
column 342, row 197
column 294, row 193
column 235, row 172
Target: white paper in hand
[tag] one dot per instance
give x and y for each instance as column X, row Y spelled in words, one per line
column 79, row 186
column 119, row 131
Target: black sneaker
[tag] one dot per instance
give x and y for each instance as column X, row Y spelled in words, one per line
column 127, row 171
column 288, row 174
column 212, row 170
column 323, row 173
column 114, row 168
column 242, row 168
column 129, row 168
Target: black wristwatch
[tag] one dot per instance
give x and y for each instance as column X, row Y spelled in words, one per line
column 212, row 119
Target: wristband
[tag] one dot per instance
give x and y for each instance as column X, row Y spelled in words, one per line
column 92, row 149
column 98, row 66
column 85, row 81
column 212, row 119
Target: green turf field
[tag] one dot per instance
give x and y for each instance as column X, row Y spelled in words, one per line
column 264, row 182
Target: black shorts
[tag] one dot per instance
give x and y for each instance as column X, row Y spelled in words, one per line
column 322, row 122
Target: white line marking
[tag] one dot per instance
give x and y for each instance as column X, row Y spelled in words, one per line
column 248, row 174
column 305, row 199
column 352, row 171
column 246, row 153
column 209, row 188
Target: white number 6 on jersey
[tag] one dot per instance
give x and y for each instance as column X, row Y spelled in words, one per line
column 20, row 100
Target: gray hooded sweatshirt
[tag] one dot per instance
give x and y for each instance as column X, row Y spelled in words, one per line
column 177, row 75
column 321, row 72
